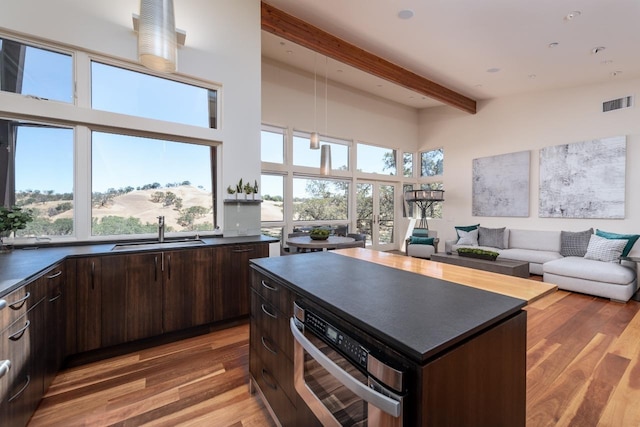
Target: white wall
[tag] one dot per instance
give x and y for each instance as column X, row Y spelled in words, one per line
column 287, row 100
column 222, row 45
column 531, row 122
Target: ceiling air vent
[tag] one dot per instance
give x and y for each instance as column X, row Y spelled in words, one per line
column 616, row 104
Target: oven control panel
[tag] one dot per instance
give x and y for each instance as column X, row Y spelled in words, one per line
column 341, row 341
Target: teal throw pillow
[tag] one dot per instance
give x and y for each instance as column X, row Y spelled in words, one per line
column 420, row 232
column 466, row 228
column 414, row 240
column 630, row 238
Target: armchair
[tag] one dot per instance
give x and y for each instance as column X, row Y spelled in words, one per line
column 422, row 243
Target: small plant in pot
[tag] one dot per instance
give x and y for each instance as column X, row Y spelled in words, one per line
column 11, row 220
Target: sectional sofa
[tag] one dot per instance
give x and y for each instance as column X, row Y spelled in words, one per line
column 575, row 261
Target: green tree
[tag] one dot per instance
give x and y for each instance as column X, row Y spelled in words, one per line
column 110, row 225
column 188, row 217
column 431, row 162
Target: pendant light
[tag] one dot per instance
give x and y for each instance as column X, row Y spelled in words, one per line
column 314, row 141
column 157, row 40
column 325, row 154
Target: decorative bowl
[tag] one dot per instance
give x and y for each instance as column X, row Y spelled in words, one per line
column 319, row 234
column 318, row 237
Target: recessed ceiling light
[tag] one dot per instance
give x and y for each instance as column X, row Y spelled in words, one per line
column 405, row 14
column 282, row 43
column 615, row 73
column 493, row 70
column 289, row 52
column 553, row 44
column 606, row 61
column 597, row 49
column 532, row 76
column 339, row 70
column 572, row 15
column 478, row 85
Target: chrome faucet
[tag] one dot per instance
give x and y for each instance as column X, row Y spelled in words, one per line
column 160, row 229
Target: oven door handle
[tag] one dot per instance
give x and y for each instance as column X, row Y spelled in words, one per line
column 379, row 400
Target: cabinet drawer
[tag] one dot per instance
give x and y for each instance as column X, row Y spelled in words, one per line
column 18, row 302
column 273, row 323
column 273, row 393
column 273, row 359
column 273, row 292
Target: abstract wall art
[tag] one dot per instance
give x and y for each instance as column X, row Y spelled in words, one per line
column 583, row 179
column 501, row 185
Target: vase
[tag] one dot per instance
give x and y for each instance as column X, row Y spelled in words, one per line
column 5, row 248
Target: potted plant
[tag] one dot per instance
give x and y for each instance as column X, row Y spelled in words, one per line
column 11, row 220
column 248, row 189
column 231, row 192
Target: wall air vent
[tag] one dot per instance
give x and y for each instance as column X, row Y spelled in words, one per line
column 617, row 104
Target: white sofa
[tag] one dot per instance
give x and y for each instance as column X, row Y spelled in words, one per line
column 422, row 250
column 617, row 281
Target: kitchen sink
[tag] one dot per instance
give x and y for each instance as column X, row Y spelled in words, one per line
column 158, row 245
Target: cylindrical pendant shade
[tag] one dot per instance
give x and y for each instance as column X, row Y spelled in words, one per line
column 157, row 45
column 314, row 141
column 325, row 160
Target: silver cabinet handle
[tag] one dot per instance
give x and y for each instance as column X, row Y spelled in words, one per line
column 237, row 251
column 24, row 387
column 56, row 297
column 268, row 313
column 18, row 304
column 20, row 333
column 266, row 285
column 3, row 303
column 5, row 365
column 379, row 400
column 264, row 344
column 53, row 276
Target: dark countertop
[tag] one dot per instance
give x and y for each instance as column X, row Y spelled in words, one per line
column 20, row 265
column 416, row 315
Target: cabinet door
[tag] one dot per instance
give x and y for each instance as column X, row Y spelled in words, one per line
column 55, row 321
column 89, row 303
column 187, row 289
column 143, row 300
column 231, row 295
column 113, row 277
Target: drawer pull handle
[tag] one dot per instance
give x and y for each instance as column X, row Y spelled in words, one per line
column 53, row 276
column 4, row 367
column 267, row 382
column 24, row 387
column 237, row 251
column 271, row 288
column 18, row 304
column 264, row 344
column 56, row 297
column 20, row 333
column 268, row 313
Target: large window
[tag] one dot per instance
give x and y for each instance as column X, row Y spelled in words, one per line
column 304, row 156
column 372, row 159
column 37, row 72
column 154, row 178
column 42, row 173
column 407, row 165
column 143, row 95
column 320, row 199
column 432, row 162
column 272, row 206
column 95, row 178
column 272, row 145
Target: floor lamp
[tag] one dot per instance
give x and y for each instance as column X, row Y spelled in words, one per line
column 424, row 199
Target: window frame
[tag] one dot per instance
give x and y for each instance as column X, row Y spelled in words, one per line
column 84, row 120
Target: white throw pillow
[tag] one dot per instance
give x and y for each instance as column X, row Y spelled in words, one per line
column 469, row 237
column 607, row 250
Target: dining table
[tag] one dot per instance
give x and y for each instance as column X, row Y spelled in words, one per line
column 332, row 242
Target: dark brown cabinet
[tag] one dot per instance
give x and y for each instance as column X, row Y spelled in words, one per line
column 123, row 298
column 231, row 293
column 55, row 310
column 22, row 365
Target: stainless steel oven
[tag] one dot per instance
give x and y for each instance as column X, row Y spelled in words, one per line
column 341, row 379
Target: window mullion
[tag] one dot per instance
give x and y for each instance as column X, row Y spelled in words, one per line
column 82, row 183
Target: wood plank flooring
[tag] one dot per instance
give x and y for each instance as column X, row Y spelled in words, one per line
column 583, row 369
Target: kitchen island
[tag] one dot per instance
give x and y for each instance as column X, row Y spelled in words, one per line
column 463, row 349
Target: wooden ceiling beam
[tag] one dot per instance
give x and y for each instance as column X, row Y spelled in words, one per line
column 300, row 32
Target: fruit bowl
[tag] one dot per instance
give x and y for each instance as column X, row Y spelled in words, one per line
column 319, row 234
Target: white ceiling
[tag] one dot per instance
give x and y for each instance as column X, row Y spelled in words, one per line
column 455, row 43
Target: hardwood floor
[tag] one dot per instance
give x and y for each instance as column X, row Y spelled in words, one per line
column 583, row 369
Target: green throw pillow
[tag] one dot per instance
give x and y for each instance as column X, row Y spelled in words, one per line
column 466, row 228
column 421, row 240
column 630, row 238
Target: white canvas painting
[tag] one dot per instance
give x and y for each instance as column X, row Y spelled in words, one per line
column 501, row 185
column 584, row 179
